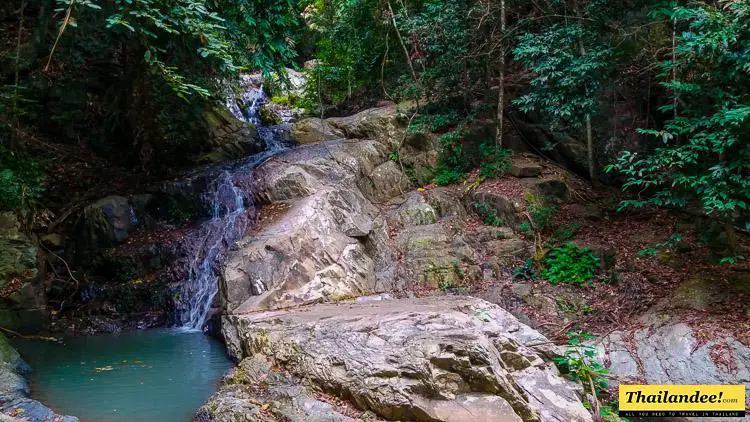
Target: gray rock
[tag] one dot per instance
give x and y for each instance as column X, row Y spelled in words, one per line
column 105, row 223
column 385, row 181
column 255, row 392
column 416, row 212
column 230, row 137
column 33, row 411
column 522, row 289
column 23, row 306
column 384, row 124
column 506, row 209
column 552, row 190
column 313, row 130
column 671, row 352
column 437, row 359
column 525, row 170
column 446, row 203
column 332, row 243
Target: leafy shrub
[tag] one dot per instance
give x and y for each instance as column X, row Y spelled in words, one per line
column 21, row 181
column 446, row 176
column 488, row 213
column 569, row 264
column 442, row 121
column 580, row 364
column 542, row 214
column 495, row 161
column 282, row 100
column 527, row 271
column 453, row 162
column 672, row 243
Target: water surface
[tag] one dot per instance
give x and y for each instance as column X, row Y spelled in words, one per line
column 144, row 376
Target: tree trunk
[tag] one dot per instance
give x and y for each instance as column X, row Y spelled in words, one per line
column 590, row 148
column 403, row 45
column 501, row 82
column 589, row 134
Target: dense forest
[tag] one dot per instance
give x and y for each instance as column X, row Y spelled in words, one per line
column 549, row 147
column 656, row 91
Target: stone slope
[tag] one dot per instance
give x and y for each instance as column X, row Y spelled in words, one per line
column 436, row 359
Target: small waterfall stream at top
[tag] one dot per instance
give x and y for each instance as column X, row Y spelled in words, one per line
column 232, row 210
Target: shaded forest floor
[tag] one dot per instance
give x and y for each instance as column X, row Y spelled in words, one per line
column 657, row 259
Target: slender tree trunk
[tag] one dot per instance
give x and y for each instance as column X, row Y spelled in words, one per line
column 403, row 45
column 17, row 79
column 589, row 132
column 501, row 84
column 674, row 64
column 590, row 147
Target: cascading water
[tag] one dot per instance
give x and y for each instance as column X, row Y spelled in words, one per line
column 232, row 210
column 228, row 223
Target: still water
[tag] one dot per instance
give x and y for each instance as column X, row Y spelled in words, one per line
column 144, row 376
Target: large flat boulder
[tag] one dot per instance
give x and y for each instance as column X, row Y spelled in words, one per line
column 437, row 359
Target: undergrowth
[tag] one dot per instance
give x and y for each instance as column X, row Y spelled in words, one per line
column 570, row 264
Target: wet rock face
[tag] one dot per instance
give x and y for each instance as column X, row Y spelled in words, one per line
column 22, row 296
column 328, row 245
column 438, row 359
column 106, row 223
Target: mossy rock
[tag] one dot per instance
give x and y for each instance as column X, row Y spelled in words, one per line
column 7, row 353
column 269, row 118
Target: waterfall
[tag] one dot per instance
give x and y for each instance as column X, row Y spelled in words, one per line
column 227, row 225
column 232, row 210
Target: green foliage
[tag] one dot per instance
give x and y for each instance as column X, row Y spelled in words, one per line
column 581, row 365
column 571, row 307
column 542, row 213
column 453, row 162
column 702, row 152
column 671, row 243
column 527, row 271
column 21, row 180
column 440, row 122
column 565, row 233
column 566, row 83
column 569, row 264
column 731, row 260
column 174, row 37
column 285, row 100
column 649, row 252
column 495, row 161
column 488, row 213
column 456, row 267
column 445, row 176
